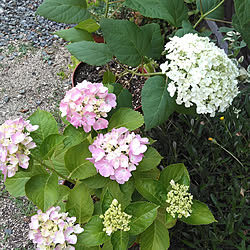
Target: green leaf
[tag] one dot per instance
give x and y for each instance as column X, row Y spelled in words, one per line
column 80, row 203
column 42, row 190
column 107, row 246
column 241, row 20
column 74, row 35
column 157, row 105
column 47, row 126
column 151, row 190
column 200, row 215
column 173, row 11
column 143, row 214
column 126, row 40
column 15, row 185
column 73, row 136
column 152, row 174
column 108, row 77
column 64, row 11
column 183, row 110
column 80, row 246
column 186, row 28
column 96, row 181
column 49, row 144
column 208, row 5
column 176, row 172
column 106, row 200
column 63, row 193
column 126, row 117
column 93, row 234
column 90, row 52
column 150, row 160
column 155, row 237
column 57, row 159
column 156, row 44
column 119, row 240
column 89, row 25
column 76, row 163
column 123, row 98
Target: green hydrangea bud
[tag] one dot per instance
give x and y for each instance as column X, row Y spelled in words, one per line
column 179, row 200
column 114, row 219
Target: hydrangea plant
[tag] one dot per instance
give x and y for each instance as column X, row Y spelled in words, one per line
column 117, row 194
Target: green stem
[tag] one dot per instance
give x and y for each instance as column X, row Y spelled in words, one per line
column 53, row 170
column 146, row 74
column 107, row 9
column 217, row 20
column 214, row 141
column 207, row 13
column 201, row 8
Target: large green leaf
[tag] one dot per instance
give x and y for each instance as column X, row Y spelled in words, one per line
column 89, row 25
column 76, row 163
column 96, row 181
column 49, row 144
column 173, row 11
column 64, row 11
column 80, row 203
column 63, row 193
column 75, row 35
column 208, row 5
column 152, row 174
column 123, row 98
column 93, row 234
column 106, row 200
column 16, row 184
column 143, row 214
column 156, row 45
column 155, row 237
column 57, row 159
column 157, row 105
column 47, row 125
column 241, row 20
column 126, row 117
column 42, row 190
column 151, row 190
column 200, row 214
column 90, row 52
column 73, row 136
column 176, row 172
column 150, row 160
column 126, row 40
column 119, row 240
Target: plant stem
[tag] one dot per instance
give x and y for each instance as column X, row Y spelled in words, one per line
column 201, row 8
column 207, row 13
column 117, row 1
column 107, row 9
column 217, row 20
column 53, row 170
column 215, row 142
column 146, row 74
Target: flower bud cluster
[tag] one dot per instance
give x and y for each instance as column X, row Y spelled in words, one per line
column 53, row 230
column 86, row 104
column 15, row 144
column 114, row 219
column 179, row 200
column 200, row 74
column 117, row 153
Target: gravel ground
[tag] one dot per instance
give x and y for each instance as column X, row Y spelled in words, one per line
column 31, row 57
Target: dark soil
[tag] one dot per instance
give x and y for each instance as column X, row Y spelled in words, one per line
column 95, row 74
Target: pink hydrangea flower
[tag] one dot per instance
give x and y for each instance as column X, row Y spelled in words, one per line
column 87, row 104
column 117, row 153
column 15, row 144
column 53, row 230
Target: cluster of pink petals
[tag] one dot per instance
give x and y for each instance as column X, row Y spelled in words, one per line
column 86, row 104
column 15, row 144
column 54, row 230
column 117, row 153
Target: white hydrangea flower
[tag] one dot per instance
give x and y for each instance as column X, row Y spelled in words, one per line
column 114, row 219
column 200, row 74
column 179, row 201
